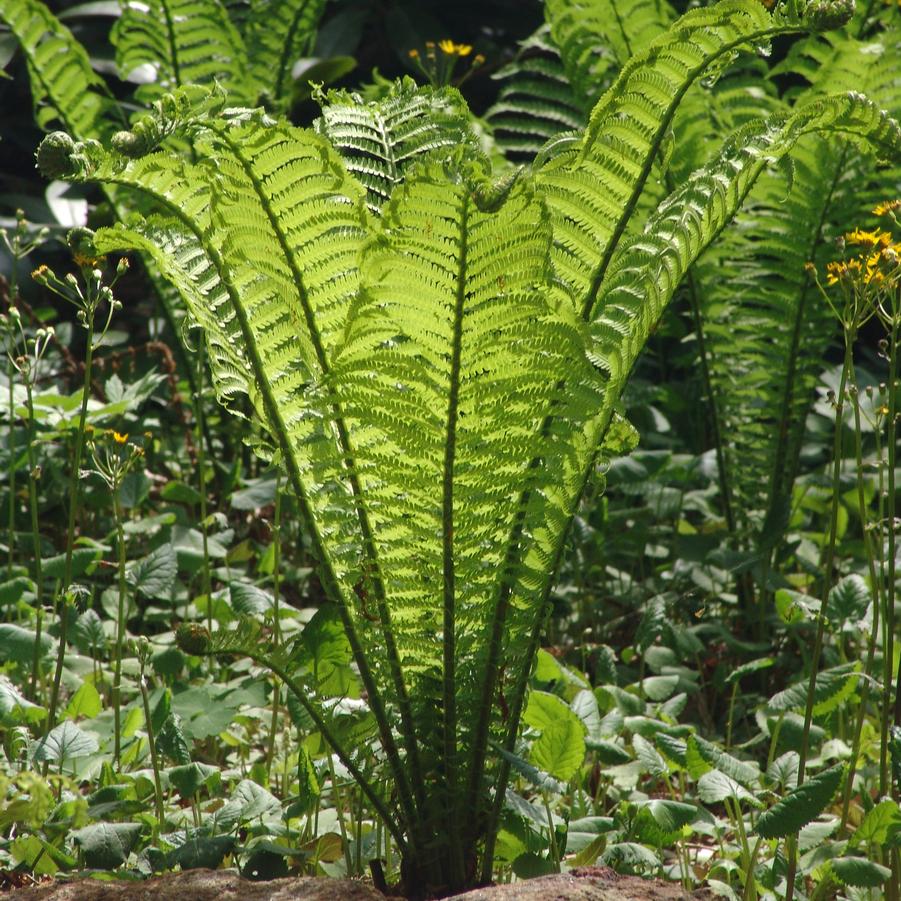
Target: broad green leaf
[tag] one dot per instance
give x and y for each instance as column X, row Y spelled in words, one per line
column 585, row 707
column 17, row 643
column 201, row 852
column 715, row 786
column 794, row 607
column 64, row 742
column 544, row 711
column 608, row 751
column 84, row 703
column 659, row 822
column 800, row 805
column 188, row 779
column 630, row 857
column 561, row 748
column 82, row 560
column 248, row 801
column 881, row 826
column 541, row 779
column 154, row 575
column 585, row 830
column 859, row 872
column 106, row 846
column 15, row 708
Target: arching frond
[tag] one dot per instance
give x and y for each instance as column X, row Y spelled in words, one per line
column 278, row 33
column 180, row 42
column 379, row 140
column 65, row 91
column 595, row 36
column 627, row 130
column 535, row 101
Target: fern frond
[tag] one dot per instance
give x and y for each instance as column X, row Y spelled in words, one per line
column 687, row 221
column 379, row 140
column 627, row 130
column 597, row 36
column 180, row 42
column 277, row 34
column 766, row 331
column 65, row 90
column 535, row 101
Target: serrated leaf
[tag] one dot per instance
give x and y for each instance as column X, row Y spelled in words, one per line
column 715, row 786
column 649, row 757
column 154, row 575
column 752, row 666
column 171, row 741
column 801, row 805
column 106, row 846
column 560, row 750
column 794, row 607
column 702, row 755
column 541, row 780
column 848, row 600
column 833, row 687
column 608, row 752
column 859, row 872
column 659, row 822
column 65, row 742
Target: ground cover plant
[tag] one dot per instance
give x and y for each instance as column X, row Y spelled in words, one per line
column 422, row 602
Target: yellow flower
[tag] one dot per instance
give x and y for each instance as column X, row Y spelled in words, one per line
column 414, row 54
column 869, row 239
column 451, row 49
column 882, row 209
column 119, row 438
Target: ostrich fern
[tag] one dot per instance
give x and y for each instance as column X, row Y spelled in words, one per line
column 437, row 373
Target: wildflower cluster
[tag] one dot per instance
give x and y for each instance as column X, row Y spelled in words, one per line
column 438, row 62
column 113, row 454
column 869, row 281
column 90, row 293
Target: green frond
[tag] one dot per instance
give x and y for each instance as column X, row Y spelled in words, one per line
column 379, row 140
column 65, row 91
column 597, row 37
column 535, row 100
column 171, row 43
column 766, row 327
column 278, row 33
column 647, row 271
column 627, row 130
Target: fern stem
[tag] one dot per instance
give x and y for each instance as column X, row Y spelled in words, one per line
column 457, row 873
column 408, row 730
column 303, row 698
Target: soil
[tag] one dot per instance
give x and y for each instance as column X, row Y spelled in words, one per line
column 587, row 884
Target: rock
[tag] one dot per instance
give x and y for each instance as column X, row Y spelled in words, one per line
column 586, row 884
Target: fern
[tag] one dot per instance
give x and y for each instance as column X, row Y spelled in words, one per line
column 435, row 392
column 182, row 42
column 755, row 287
column 535, row 101
column 277, row 34
column 64, row 88
column 380, row 140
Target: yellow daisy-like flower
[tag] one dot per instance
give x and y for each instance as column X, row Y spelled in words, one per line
column 86, row 262
column 451, row 49
column 883, row 209
column 869, row 239
column 414, row 54
column 119, row 438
